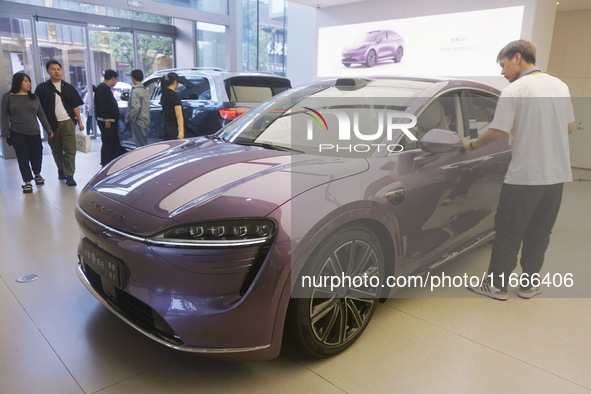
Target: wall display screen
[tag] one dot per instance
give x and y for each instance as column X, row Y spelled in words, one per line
column 456, row 45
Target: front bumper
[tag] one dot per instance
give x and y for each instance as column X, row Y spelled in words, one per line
column 164, row 337
column 196, row 300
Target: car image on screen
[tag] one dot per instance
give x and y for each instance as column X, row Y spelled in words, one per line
column 373, row 47
column 220, row 244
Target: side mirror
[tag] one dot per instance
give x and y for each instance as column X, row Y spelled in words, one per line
column 124, row 96
column 440, row 141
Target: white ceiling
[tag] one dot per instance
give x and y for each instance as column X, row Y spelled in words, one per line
column 564, row 5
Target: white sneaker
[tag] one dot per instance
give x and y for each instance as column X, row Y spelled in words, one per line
column 486, row 289
column 530, row 293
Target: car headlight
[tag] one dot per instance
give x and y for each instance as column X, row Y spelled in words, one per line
column 224, row 233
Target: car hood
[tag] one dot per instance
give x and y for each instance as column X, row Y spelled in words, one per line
column 211, row 179
column 356, row 46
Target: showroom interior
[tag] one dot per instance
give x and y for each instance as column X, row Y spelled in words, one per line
column 58, row 338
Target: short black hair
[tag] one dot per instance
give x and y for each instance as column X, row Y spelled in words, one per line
column 50, row 62
column 138, row 75
column 109, row 74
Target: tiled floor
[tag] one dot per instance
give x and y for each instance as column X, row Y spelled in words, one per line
column 56, row 338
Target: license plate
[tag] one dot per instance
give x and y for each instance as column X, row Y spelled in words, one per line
column 101, row 262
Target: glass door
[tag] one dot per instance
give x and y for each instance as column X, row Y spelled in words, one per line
column 66, row 43
column 16, row 47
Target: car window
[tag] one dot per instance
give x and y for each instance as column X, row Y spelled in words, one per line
column 153, row 86
column 483, row 112
column 254, row 89
column 194, row 88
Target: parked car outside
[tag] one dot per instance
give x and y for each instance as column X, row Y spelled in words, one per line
column 120, row 88
column 373, row 47
column 220, row 244
column 211, row 98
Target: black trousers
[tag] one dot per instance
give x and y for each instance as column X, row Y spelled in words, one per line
column 524, row 220
column 29, row 154
column 111, row 148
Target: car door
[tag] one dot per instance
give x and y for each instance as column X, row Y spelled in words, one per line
column 449, row 194
column 384, row 45
column 156, row 127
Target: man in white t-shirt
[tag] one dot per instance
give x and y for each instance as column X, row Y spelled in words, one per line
column 536, row 112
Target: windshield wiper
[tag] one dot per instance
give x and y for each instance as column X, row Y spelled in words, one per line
column 269, row 145
column 215, row 137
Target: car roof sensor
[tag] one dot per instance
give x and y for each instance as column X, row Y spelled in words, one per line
column 351, row 83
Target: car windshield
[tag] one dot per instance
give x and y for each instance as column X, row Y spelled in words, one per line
column 367, row 37
column 308, row 118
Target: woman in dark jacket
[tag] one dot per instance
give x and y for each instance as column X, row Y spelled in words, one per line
column 20, row 110
column 172, row 109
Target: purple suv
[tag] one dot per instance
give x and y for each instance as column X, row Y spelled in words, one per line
column 223, row 244
column 373, row 47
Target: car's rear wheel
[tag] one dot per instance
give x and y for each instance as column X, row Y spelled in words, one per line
column 398, row 55
column 330, row 320
column 371, row 59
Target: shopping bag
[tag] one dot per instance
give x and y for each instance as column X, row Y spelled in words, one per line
column 82, row 142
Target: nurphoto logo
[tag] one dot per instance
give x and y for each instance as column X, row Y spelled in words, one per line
column 359, row 131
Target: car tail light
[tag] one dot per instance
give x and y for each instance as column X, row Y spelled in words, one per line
column 232, row 113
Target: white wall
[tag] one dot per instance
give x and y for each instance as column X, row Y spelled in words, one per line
column 303, row 26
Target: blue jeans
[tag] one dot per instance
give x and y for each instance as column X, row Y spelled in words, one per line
column 140, row 135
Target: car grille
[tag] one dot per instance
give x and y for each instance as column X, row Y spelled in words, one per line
column 133, row 309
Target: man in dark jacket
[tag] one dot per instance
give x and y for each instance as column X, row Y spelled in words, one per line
column 106, row 111
column 61, row 102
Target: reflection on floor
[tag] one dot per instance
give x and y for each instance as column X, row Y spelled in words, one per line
column 56, row 338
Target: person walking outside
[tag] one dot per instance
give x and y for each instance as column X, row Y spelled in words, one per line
column 536, row 112
column 138, row 110
column 19, row 111
column 172, row 108
column 106, row 111
column 61, row 104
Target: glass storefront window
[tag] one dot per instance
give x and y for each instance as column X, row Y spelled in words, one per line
column 65, row 43
column 211, row 45
column 111, row 49
column 264, row 31
column 15, row 44
column 72, row 5
column 155, row 52
column 213, row 6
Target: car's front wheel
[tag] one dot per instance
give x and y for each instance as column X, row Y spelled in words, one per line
column 371, row 59
column 398, row 55
column 346, row 272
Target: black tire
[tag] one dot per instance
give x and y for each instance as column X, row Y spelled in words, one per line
column 330, row 321
column 398, row 55
column 372, row 58
column 347, row 64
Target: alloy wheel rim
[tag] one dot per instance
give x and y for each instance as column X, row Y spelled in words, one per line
column 337, row 315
